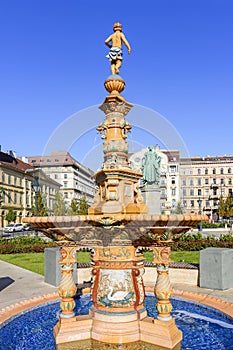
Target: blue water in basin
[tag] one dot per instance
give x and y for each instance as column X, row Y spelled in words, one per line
column 203, row 328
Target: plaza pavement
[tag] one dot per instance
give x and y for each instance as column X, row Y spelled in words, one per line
column 17, row 284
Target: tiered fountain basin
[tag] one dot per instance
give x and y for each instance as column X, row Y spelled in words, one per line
column 118, row 314
column 124, row 229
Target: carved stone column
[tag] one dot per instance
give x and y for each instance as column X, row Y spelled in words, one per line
column 67, row 288
column 163, row 292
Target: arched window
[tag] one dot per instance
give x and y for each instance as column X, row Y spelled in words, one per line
column 221, row 171
column 199, row 171
column 206, row 171
column 214, row 171
column 229, row 171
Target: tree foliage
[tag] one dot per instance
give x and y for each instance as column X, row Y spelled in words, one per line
column 226, row 206
column 59, row 206
column 11, row 215
column 179, row 208
column 42, row 207
column 83, row 206
column 74, row 208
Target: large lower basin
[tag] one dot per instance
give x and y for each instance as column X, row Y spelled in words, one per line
column 202, row 327
column 136, row 229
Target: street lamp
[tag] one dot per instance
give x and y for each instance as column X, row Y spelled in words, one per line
column 199, row 204
column 36, row 189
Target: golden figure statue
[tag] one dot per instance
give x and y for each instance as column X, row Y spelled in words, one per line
column 115, row 53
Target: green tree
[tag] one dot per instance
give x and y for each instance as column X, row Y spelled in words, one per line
column 42, row 208
column 83, row 206
column 179, row 208
column 59, row 206
column 74, row 208
column 221, row 207
column 11, row 215
column 228, row 206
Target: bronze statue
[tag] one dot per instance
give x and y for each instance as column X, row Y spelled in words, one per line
column 115, row 53
column 151, row 166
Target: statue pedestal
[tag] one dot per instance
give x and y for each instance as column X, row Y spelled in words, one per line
column 151, row 196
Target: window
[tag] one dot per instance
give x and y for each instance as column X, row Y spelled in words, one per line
column 184, row 192
column 199, row 171
column 15, row 181
column 33, row 161
column 199, row 182
column 55, row 176
column 15, row 198
column 206, row 171
column 191, row 182
column 3, row 177
column 192, row 203
column 221, row 171
column 56, row 160
column 206, row 181
column 9, row 179
column 199, row 192
column 173, row 191
column 172, row 169
column 214, row 181
column 191, row 172
column 206, row 192
column 9, row 197
column 230, row 181
column 214, row 171
column 185, row 203
column 222, row 181
column 162, row 204
column 184, row 172
column 229, row 170
column 65, row 176
column 207, row 204
column 173, row 181
column 191, row 192
column 184, row 182
column 65, row 194
column 65, row 183
column 173, row 203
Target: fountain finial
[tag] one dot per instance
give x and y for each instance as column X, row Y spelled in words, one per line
column 115, row 53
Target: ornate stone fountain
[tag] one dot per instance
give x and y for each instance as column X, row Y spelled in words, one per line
column 117, row 229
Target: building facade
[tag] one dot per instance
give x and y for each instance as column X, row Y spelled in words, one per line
column 203, row 181
column 75, row 179
column 16, row 179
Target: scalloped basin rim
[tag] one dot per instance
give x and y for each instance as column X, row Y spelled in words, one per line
column 113, row 219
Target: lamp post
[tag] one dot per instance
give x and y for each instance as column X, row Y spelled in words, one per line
column 199, row 204
column 36, row 189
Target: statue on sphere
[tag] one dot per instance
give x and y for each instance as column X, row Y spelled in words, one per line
column 115, row 53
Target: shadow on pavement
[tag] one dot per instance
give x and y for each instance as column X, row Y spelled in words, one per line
column 5, row 282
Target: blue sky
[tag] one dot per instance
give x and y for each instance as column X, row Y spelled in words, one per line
column 53, row 65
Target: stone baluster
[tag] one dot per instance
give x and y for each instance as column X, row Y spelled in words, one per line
column 67, row 288
column 163, row 290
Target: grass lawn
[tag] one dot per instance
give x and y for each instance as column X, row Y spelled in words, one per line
column 29, row 261
column 35, row 261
